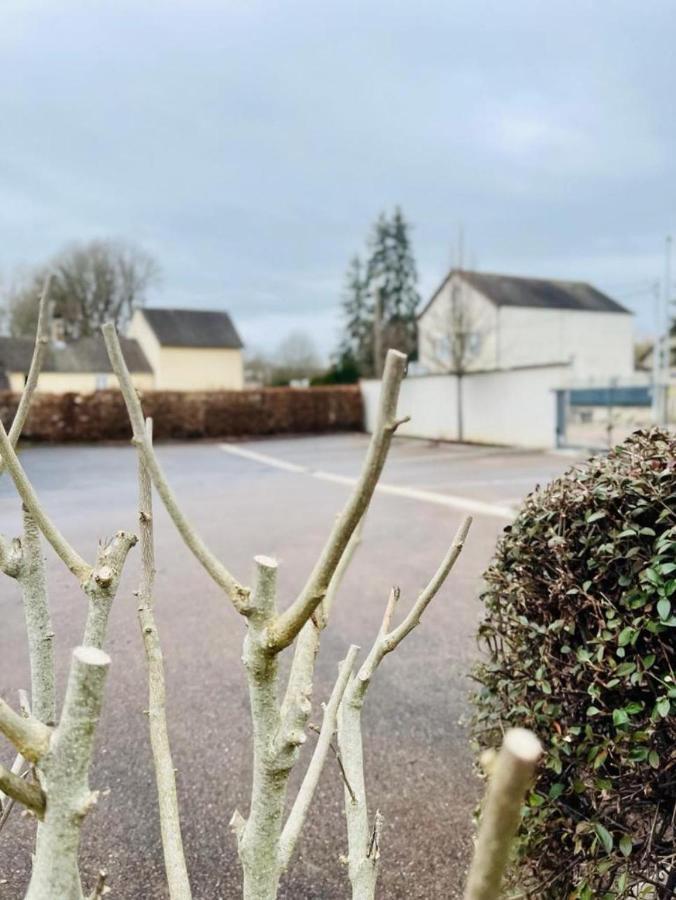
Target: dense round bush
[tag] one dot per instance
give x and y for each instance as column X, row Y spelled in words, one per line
column 579, row 634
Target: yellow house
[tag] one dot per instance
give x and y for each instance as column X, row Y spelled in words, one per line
column 167, row 349
column 79, row 366
column 190, row 349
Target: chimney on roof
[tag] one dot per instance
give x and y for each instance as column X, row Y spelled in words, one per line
column 57, row 331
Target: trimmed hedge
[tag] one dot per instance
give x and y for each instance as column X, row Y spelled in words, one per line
column 580, row 634
column 187, row 414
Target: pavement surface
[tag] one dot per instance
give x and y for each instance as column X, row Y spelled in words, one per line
column 276, row 497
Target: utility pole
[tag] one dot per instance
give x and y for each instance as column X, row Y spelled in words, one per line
column 666, row 332
column 662, row 343
column 657, row 356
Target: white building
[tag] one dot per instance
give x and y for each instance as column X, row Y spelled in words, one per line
column 498, row 322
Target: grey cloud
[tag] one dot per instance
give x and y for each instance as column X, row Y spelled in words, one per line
column 250, row 145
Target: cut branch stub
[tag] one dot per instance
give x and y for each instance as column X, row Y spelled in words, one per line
column 102, row 583
column 512, row 771
column 64, row 775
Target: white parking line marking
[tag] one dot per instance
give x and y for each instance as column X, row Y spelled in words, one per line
column 465, row 503
column 263, row 458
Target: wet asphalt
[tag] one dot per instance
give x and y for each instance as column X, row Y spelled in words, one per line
column 418, row 758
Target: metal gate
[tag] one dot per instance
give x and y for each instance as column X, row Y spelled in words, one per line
column 597, row 418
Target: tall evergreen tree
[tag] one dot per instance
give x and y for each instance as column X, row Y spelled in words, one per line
column 390, row 268
column 358, row 314
column 403, row 299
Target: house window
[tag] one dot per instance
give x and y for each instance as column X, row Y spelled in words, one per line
column 474, row 343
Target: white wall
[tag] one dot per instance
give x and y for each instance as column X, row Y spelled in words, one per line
column 436, row 322
column 598, row 344
column 515, row 407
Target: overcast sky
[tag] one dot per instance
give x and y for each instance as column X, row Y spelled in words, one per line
column 249, row 145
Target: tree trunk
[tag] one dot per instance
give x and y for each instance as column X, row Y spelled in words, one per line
column 459, row 404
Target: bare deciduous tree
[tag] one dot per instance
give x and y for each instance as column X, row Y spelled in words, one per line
column 92, row 283
column 456, row 342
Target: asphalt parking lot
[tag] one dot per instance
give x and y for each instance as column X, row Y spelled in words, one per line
column 277, row 497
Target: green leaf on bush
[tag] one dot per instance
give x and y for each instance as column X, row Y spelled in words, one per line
column 582, row 591
column 663, row 706
column 626, row 636
column 620, row 717
column 625, row 668
column 664, row 608
column 604, row 836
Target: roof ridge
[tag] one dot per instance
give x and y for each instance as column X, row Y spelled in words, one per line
column 522, row 277
column 182, row 309
column 504, row 290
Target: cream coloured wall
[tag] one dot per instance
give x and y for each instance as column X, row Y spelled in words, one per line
column 199, row 369
column 78, row 382
column 143, row 333
column 188, row 368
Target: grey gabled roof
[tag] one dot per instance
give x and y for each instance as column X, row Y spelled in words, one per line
column 193, row 328
column 84, row 355
column 541, row 293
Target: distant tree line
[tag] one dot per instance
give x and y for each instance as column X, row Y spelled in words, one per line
column 296, row 359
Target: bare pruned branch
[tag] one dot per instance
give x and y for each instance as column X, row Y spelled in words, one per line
column 39, row 631
column 71, row 558
column 387, row 640
column 39, row 352
column 165, row 776
column 290, row 622
column 30, row 737
column 25, row 792
column 510, row 777
column 364, row 836
column 297, row 705
column 299, row 810
column 213, row 566
column 102, row 584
